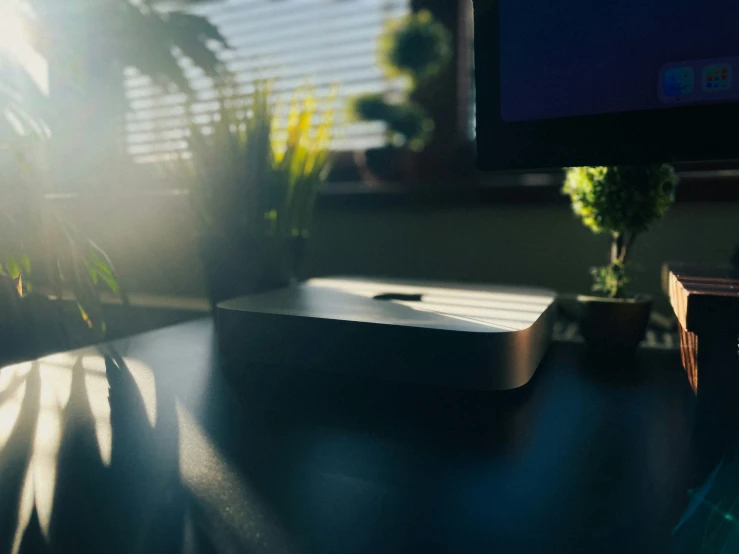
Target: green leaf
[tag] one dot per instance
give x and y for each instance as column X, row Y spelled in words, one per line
column 85, row 317
column 14, row 268
column 26, row 263
column 101, row 266
column 111, row 282
column 610, row 280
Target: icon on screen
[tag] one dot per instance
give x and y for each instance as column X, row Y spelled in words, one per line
column 678, row 81
column 717, row 77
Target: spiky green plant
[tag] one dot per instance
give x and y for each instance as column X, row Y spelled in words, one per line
column 248, row 177
column 301, row 165
column 622, row 202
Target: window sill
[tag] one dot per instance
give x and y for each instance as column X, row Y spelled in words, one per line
column 181, row 303
column 504, row 188
column 510, row 189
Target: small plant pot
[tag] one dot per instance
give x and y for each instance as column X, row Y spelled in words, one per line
column 614, row 324
column 387, row 164
column 238, row 267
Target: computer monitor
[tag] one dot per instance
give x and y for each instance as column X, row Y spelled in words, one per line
column 594, row 82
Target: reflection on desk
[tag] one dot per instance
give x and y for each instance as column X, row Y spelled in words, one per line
column 143, row 446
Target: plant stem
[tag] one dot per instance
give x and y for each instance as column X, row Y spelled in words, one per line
column 616, row 247
column 626, row 248
column 621, row 246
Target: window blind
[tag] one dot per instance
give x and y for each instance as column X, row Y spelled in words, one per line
column 328, row 45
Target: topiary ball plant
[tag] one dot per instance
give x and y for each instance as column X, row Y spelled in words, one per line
column 415, row 46
column 623, row 202
column 370, row 107
column 407, row 123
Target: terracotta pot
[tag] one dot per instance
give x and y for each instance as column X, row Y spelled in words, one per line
column 614, row 324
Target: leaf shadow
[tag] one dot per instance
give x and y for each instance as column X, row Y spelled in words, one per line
column 133, row 502
column 15, row 458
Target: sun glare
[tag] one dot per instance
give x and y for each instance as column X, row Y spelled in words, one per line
column 15, row 42
column 13, row 35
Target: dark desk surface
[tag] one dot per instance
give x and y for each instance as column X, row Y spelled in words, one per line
column 154, row 450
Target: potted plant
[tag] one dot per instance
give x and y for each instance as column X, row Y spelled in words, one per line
column 42, row 254
column 622, row 202
column 252, row 187
column 413, row 49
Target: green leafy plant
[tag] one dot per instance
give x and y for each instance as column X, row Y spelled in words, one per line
column 622, row 202
column 415, row 47
column 41, row 251
column 89, row 44
column 247, row 177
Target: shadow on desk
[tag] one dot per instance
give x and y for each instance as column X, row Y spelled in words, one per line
column 85, row 471
column 158, row 452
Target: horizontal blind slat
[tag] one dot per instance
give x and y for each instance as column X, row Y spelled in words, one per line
column 330, row 45
column 350, row 89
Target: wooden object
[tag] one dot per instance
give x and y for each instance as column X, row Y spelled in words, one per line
column 471, row 337
column 706, row 303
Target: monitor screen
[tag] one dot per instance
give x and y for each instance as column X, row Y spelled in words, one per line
column 641, row 70
column 584, row 57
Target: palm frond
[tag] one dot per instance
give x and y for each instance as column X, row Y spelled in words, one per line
column 190, row 25
column 22, row 104
column 122, row 33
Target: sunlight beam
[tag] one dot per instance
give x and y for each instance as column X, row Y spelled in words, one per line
column 15, row 43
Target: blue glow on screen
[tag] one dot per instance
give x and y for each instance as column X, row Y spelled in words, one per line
column 584, row 57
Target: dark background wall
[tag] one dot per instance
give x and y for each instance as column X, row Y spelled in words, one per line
column 152, row 241
column 534, row 245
